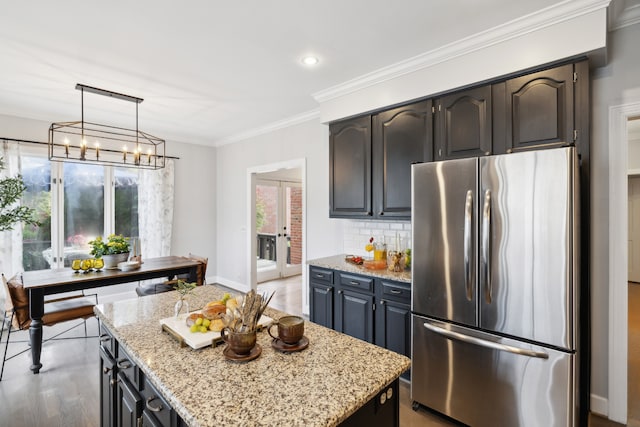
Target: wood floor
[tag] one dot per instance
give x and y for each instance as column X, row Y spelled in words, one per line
column 66, row 392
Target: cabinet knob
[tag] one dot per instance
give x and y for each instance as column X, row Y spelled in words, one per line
column 105, row 338
column 383, row 398
column 113, row 382
column 328, row 289
column 382, row 302
column 340, row 291
column 369, row 213
column 381, row 213
column 106, row 370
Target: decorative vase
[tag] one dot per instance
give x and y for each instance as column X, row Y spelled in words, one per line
column 180, row 304
column 111, row 261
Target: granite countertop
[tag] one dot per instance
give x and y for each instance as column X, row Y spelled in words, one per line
column 319, row 386
column 337, row 262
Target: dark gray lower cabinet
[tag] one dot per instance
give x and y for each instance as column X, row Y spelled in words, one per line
column 107, row 390
column 129, row 403
column 127, row 399
column 354, row 314
column 374, row 310
column 322, row 296
column 382, row 410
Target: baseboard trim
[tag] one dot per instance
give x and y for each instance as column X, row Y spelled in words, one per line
column 599, row 405
column 240, row 287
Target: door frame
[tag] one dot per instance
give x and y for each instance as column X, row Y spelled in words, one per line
column 619, row 115
column 251, row 215
column 282, row 269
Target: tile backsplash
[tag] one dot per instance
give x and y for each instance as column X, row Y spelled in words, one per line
column 358, row 232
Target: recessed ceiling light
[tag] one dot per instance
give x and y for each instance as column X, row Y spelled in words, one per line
column 310, row 60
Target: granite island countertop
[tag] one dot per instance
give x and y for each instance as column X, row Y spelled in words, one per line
column 337, row 262
column 319, row 386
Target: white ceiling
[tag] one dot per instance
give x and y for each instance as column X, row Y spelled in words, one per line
column 211, row 71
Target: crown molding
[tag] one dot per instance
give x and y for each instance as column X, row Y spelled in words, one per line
column 623, row 13
column 569, row 9
column 293, row 120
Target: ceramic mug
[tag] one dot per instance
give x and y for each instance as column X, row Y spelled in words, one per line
column 290, row 329
column 240, row 343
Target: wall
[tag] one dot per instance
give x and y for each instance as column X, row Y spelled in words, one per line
column 614, row 84
column 308, row 140
column 194, row 217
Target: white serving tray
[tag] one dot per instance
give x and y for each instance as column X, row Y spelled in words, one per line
column 177, row 327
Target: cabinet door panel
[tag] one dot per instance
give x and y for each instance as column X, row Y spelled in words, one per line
column 393, row 327
column 350, row 168
column 107, row 391
column 464, row 127
column 322, row 304
column 355, row 315
column 129, row 403
column 539, row 109
column 401, row 136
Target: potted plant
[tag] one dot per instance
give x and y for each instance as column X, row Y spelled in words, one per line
column 114, row 250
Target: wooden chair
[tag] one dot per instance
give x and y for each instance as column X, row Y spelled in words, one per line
column 168, row 285
column 16, row 311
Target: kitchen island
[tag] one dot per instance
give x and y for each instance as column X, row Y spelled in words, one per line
column 337, row 379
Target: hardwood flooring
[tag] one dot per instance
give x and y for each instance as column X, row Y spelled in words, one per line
column 66, row 392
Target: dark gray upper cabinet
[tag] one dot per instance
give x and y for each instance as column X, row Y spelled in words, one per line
column 401, row 136
column 350, row 168
column 539, row 109
column 464, row 124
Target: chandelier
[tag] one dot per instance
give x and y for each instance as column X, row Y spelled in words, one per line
column 94, row 143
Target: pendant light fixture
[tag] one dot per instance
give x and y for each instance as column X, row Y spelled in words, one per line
column 94, row 143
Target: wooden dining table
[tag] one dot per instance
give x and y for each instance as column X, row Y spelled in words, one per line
column 54, row 281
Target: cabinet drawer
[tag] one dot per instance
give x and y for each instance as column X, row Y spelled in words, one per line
column 356, row 282
column 127, row 368
column 396, row 291
column 320, row 275
column 155, row 404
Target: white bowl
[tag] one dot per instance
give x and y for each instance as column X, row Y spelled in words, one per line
column 128, row 265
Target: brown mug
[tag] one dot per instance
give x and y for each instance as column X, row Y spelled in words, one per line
column 290, row 329
column 240, row 343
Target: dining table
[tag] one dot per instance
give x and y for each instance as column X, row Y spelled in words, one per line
column 40, row 283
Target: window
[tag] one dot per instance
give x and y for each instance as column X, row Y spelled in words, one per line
column 83, row 204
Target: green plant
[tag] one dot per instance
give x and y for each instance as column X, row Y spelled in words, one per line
column 184, row 288
column 11, row 190
column 115, row 244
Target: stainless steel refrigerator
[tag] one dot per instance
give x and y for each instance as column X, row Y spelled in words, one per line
column 495, row 288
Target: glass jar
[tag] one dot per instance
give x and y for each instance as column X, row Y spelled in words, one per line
column 379, row 251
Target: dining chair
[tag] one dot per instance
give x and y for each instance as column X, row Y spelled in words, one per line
column 16, row 312
column 168, row 285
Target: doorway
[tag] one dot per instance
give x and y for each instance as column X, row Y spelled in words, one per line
column 278, row 224
column 621, row 119
column 633, row 361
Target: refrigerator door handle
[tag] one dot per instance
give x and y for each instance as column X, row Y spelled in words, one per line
column 486, row 249
column 468, row 216
column 484, row 343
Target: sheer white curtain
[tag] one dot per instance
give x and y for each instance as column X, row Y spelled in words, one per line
column 10, row 241
column 155, row 210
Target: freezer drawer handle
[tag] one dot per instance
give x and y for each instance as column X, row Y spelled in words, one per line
column 484, row 343
column 486, row 249
column 468, row 213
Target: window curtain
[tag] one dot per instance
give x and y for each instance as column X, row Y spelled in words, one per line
column 155, row 210
column 10, row 241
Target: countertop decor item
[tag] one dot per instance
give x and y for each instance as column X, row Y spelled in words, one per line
column 99, row 144
column 184, row 289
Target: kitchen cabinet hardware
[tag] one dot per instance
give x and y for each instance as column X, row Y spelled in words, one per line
column 383, row 398
column 104, row 338
column 389, row 393
column 124, row 364
column 382, row 302
column 395, row 291
column 106, row 370
column 114, row 381
column 152, row 408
